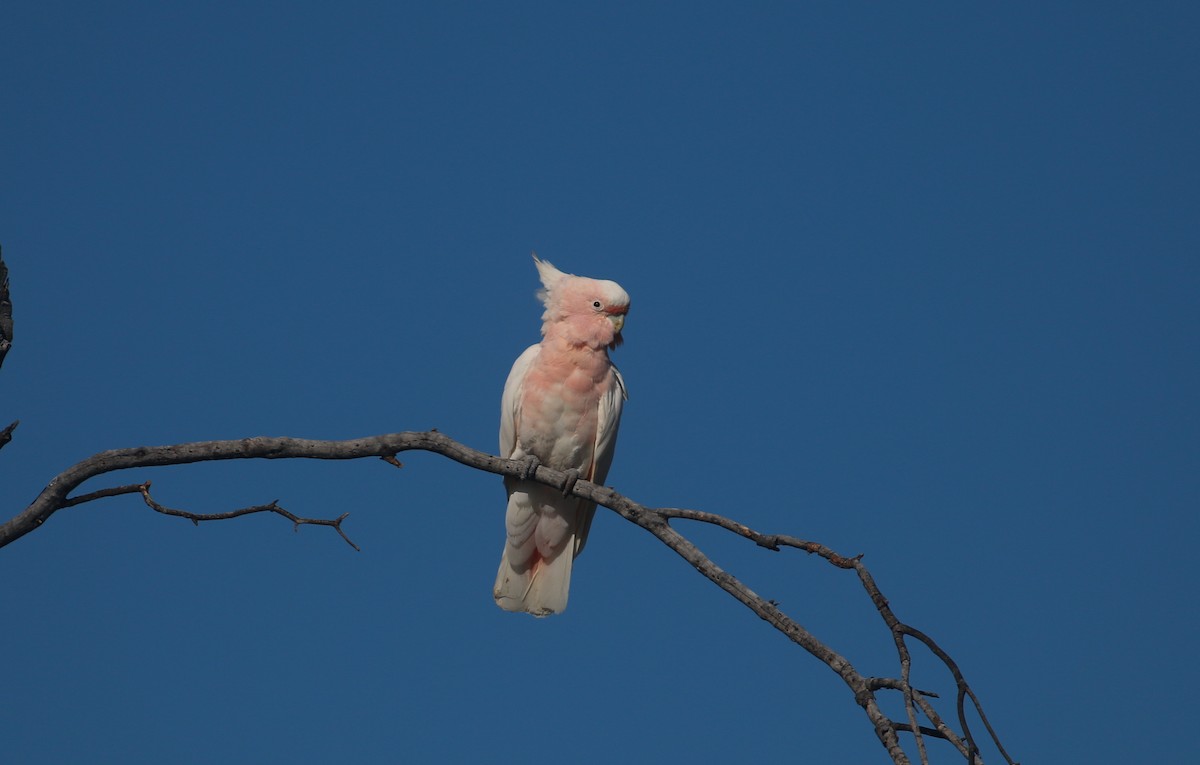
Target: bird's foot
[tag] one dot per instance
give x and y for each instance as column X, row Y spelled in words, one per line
column 569, row 481
column 530, row 467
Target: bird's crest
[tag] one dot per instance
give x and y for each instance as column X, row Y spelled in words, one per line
column 550, row 277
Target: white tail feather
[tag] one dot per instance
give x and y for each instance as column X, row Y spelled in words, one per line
column 540, row 590
column 545, row 533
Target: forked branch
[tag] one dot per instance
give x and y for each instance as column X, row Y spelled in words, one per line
column 58, row 495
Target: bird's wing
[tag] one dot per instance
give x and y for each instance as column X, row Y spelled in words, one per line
column 608, row 419
column 510, row 402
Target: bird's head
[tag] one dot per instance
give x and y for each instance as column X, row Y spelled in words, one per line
column 582, row 311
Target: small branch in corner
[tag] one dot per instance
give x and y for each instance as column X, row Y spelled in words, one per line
column 6, row 434
column 6, row 320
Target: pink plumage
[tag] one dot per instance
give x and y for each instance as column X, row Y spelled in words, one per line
column 562, row 404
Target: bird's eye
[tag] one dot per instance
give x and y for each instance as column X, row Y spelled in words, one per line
column 596, row 304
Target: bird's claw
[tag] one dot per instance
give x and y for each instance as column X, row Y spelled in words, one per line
column 530, row 467
column 569, row 482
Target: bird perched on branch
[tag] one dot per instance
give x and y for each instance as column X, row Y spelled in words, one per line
column 561, row 408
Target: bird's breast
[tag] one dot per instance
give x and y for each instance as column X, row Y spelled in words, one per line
column 559, row 410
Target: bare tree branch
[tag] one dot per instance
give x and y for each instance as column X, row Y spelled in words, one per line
column 6, row 434
column 115, row 491
column 6, row 321
column 6, row 336
column 271, row 507
column 56, row 496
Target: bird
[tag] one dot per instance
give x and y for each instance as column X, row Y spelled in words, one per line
column 561, row 408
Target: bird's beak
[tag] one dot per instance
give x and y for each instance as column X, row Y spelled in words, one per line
column 618, row 321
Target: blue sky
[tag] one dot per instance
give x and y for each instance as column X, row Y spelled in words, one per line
column 918, row 282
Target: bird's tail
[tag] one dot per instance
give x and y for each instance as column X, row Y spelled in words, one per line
column 545, row 532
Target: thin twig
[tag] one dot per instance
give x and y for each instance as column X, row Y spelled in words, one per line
column 964, row 691
column 116, row 491
column 924, row 730
column 769, row 541
column 270, row 507
column 891, row 683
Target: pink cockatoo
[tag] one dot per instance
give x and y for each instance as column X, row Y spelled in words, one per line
column 561, row 407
